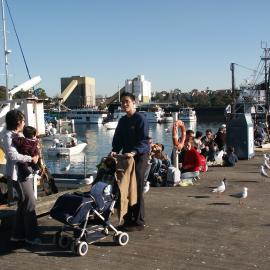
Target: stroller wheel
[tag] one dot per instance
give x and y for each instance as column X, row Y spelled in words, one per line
column 122, row 239
column 82, row 248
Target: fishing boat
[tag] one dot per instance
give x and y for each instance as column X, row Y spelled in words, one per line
column 187, row 114
column 87, row 115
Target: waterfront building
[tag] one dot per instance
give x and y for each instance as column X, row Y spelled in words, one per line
column 83, row 93
column 139, row 87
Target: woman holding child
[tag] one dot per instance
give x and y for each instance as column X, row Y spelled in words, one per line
column 25, row 227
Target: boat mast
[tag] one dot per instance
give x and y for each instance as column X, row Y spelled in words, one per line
column 6, row 51
column 265, row 58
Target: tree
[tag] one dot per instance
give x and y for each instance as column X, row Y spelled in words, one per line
column 2, row 92
column 40, row 93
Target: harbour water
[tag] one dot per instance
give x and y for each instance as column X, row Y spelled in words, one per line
column 99, row 141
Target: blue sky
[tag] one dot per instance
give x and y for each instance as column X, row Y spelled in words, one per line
column 175, row 43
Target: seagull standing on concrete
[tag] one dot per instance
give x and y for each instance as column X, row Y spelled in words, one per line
column 266, row 157
column 263, row 172
column 221, row 188
column 243, row 195
column 266, row 164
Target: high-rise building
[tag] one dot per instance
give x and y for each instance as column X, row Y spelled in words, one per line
column 140, row 88
column 84, row 93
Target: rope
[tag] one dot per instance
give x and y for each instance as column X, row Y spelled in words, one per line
column 13, row 24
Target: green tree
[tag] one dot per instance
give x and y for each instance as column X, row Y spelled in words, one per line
column 2, row 92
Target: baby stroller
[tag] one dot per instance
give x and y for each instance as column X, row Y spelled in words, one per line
column 86, row 216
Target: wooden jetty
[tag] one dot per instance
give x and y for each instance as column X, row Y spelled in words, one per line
column 187, row 228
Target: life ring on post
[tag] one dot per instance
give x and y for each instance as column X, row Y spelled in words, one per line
column 178, row 144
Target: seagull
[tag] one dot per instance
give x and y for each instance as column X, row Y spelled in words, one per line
column 266, row 164
column 263, row 172
column 221, row 188
column 266, row 157
column 241, row 195
column 166, row 130
column 66, row 169
column 146, row 187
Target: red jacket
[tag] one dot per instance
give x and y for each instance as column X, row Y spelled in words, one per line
column 192, row 159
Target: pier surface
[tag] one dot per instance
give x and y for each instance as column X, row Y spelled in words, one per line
column 187, row 228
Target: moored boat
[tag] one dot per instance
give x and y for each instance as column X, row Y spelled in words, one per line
column 167, row 118
column 187, row 114
column 87, row 115
column 112, row 123
column 69, row 146
column 153, row 115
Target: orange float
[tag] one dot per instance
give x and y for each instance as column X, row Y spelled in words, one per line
column 178, row 144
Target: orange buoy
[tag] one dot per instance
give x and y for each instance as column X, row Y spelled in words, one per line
column 179, row 144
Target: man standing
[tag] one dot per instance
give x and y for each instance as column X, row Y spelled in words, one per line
column 131, row 138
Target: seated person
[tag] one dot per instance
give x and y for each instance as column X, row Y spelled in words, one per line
column 190, row 167
column 230, row 158
column 213, row 152
column 220, row 138
column 27, row 145
column 259, row 135
column 159, row 161
column 207, row 141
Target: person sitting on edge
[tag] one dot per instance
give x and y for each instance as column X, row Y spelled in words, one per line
column 27, row 145
column 190, row 168
column 198, row 145
column 208, row 141
column 220, row 138
column 230, row 158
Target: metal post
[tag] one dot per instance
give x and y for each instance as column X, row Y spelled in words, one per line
column 233, row 89
column 6, row 51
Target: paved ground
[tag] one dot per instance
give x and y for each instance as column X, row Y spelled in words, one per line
column 187, row 228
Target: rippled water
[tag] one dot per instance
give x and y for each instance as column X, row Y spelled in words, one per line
column 99, row 141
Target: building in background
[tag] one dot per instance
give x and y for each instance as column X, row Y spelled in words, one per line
column 83, row 93
column 139, row 87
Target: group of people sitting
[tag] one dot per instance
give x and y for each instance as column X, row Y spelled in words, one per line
column 197, row 154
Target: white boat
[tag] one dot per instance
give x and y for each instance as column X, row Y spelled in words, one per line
column 112, row 124
column 187, row 114
column 167, row 118
column 87, row 115
column 66, row 151
column 155, row 115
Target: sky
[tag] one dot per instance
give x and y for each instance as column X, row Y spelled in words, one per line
column 175, row 43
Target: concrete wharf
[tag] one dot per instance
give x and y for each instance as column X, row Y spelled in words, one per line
column 187, row 228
